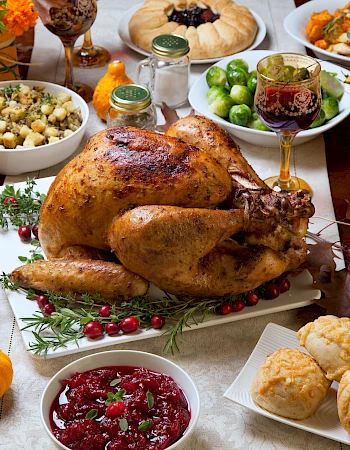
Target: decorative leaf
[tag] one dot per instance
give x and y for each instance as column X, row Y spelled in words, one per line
column 111, row 397
column 115, row 382
column 123, row 423
column 91, row 414
column 150, row 399
column 23, row 258
column 336, row 288
column 145, row 425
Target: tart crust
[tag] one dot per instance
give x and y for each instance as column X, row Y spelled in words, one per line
column 233, row 32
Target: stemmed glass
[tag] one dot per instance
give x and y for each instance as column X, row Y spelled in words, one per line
column 287, row 100
column 68, row 23
column 88, row 55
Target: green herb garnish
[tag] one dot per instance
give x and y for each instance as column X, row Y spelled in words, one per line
column 91, row 414
column 115, row 382
column 123, row 423
column 111, row 397
column 327, row 28
column 35, row 253
column 150, row 399
column 145, row 425
column 8, row 91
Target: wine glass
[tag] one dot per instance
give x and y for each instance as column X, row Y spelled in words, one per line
column 88, row 55
column 287, row 100
column 68, row 23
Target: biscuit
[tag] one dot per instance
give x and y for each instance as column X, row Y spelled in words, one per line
column 327, row 339
column 343, row 400
column 290, row 383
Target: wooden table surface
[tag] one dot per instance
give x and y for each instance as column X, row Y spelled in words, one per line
column 336, row 143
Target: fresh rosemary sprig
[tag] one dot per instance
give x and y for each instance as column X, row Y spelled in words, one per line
column 8, row 91
column 327, row 28
column 26, row 209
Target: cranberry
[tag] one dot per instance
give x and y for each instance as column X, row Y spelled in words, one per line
column 238, row 305
column 10, row 199
column 105, row 311
column 93, row 329
column 157, row 322
column 226, row 308
column 129, row 324
column 24, row 232
column 42, row 300
column 48, row 309
column 285, row 286
column 112, row 328
column 115, row 410
column 35, row 230
column 252, row 299
column 272, row 290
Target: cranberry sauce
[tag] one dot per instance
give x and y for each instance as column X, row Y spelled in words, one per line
column 194, row 16
column 117, row 408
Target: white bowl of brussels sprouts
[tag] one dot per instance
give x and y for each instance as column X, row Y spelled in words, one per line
column 231, row 104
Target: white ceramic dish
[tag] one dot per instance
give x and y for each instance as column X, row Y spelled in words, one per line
column 123, row 358
column 17, row 161
column 301, row 293
column 198, row 100
column 123, row 31
column 296, row 22
column 324, row 422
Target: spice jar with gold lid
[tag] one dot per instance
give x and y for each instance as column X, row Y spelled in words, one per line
column 131, row 105
column 169, row 70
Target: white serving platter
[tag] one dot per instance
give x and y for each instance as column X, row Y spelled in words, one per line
column 198, row 100
column 324, row 422
column 123, row 31
column 301, row 293
column 296, row 22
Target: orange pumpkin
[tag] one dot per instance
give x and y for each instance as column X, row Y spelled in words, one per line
column 6, row 373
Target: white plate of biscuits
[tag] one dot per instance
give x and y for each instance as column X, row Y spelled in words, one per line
column 123, row 31
column 325, row 420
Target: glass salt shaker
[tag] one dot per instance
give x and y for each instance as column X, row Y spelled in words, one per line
column 169, row 70
column 131, row 105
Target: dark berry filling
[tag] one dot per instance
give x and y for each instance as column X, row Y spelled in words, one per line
column 193, row 17
column 150, row 412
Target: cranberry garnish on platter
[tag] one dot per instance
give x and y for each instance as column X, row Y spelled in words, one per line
column 35, row 230
column 105, row 311
column 94, row 411
column 112, row 328
column 226, row 308
column 157, row 322
column 10, row 199
column 252, row 299
column 238, row 305
column 272, row 291
column 42, row 300
column 129, row 324
column 48, row 309
column 24, row 232
column 93, row 329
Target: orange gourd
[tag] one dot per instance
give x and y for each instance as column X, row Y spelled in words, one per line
column 114, row 77
column 6, row 373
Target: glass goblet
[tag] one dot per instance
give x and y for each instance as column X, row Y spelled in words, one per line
column 287, row 100
column 88, row 55
column 68, row 23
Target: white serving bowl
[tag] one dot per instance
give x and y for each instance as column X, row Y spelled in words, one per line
column 198, row 100
column 17, row 161
column 123, row 358
column 296, row 22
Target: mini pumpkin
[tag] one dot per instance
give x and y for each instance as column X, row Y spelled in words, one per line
column 6, row 373
column 115, row 76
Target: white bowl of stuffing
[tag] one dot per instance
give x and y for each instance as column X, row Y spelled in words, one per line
column 41, row 124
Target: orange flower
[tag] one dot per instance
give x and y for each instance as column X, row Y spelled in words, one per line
column 20, row 16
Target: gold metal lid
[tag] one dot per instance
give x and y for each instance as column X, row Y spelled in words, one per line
column 170, row 45
column 130, row 97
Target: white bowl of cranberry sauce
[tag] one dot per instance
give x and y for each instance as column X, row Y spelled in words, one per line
column 118, row 400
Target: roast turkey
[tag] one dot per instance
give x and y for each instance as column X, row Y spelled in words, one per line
column 183, row 210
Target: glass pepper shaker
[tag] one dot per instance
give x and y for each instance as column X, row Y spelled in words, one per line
column 131, row 105
column 169, row 70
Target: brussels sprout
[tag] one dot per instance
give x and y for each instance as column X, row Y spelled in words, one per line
column 273, row 66
column 331, row 85
column 252, row 82
column 240, row 115
column 286, row 74
column 257, row 124
column 301, row 74
column 321, row 117
column 330, row 106
column 241, row 94
column 221, row 105
column 216, row 76
column 216, row 91
column 237, row 64
column 237, row 76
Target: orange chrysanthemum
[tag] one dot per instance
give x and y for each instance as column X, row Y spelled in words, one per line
column 20, row 16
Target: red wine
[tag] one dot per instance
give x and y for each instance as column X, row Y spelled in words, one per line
column 287, row 108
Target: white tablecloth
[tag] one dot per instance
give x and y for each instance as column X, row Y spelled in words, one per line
column 212, row 356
